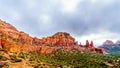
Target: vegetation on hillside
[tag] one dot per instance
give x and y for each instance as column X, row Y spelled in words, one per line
column 63, row 58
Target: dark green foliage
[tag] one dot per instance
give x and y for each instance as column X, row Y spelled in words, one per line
column 4, row 50
column 2, row 57
column 17, row 60
column 40, row 66
column 18, row 57
column 72, row 59
column 1, row 66
column 23, row 55
column 77, row 59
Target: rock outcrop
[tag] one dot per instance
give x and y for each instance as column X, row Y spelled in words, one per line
column 15, row 41
column 89, row 45
column 62, row 39
column 0, row 41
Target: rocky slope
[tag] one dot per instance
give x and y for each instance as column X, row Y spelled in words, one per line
column 14, row 41
column 111, row 47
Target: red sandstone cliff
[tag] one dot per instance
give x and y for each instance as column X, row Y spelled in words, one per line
column 15, row 41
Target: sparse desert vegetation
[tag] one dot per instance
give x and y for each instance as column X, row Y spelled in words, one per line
column 61, row 58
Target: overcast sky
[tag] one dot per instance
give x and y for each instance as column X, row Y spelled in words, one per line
column 96, row 20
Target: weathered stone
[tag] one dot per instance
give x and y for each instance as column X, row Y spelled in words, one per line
column 59, row 39
column 25, row 38
column 15, row 41
column 0, row 41
column 87, row 44
column 37, row 41
column 92, row 44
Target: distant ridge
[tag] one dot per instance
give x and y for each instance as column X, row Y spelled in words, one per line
column 111, row 47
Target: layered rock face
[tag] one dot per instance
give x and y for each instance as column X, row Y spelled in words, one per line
column 65, row 40
column 15, row 41
column 0, row 42
column 59, row 39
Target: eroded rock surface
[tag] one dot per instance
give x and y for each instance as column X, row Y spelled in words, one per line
column 15, row 41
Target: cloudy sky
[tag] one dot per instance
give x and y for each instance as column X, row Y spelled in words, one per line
column 96, row 20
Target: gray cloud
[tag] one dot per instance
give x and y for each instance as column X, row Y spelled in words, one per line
column 89, row 17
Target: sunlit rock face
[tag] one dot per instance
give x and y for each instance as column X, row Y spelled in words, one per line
column 0, row 41
column 15, row 41
column 59, row 39
column 25, row 38
column 65, row 40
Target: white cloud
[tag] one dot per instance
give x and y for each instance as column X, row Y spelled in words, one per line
column 45, row 19
column 16, row 16
column 69, row 5
column 30, row 4
column 99, row 38
column 87, row 16
column 102, row 2
column 94, row 1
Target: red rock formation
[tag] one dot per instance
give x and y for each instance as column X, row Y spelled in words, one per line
column 15, row 41
column 92, row 44
column 5, row 44
column 37, row 41
column 0, row 41
column 25, row 38
column 98, row 50
column 47, row 49
column 59, row 39
column 7, row 26
column 87, row 44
